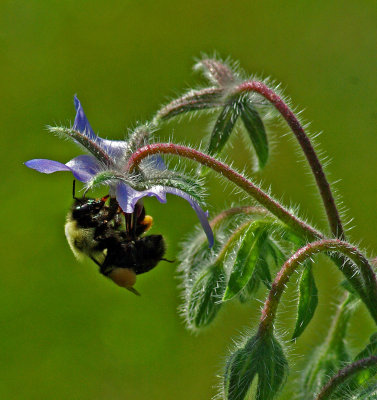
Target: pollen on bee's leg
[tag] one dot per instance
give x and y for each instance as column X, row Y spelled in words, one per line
column 147, row 222
column 124, row 277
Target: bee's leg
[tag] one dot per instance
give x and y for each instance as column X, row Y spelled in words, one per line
column 105, row 268
column 134, row 222
column 143, row 221
column 113, row 209
column 128, row 221
column 95, row 261
column 74, row 192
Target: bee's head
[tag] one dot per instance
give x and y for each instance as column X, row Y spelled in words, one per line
column 86, row 207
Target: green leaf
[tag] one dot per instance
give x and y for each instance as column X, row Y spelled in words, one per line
column 263, row 270
column 370, row 349
column 204, row 300
column 195, row 256
column 331, row 356
column 246, row 258
column 370, row 393
column 307, row 302
column 347, row 285
column 262, row 356
column 274, row 251
column 361, row 378
column 187, row 184
column 272, row 256
column 251, row 288
column 256, row 131
column 223, row 128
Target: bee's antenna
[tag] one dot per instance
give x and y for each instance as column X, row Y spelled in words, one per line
column 74, row 191
column 169, row 261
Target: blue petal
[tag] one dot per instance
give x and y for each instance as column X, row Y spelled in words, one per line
column 203, row 216
column 46, row 166
column 114, row 148
column 157, row 162
column 127, row 197
column 83, row 167
column 81, row 123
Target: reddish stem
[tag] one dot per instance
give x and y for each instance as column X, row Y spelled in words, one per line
column 307, row 147
column 263, row 198
column 344, row 374
column 295, row 262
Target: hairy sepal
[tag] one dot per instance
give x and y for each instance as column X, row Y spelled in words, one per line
column 256, row 131
column 246, row 258
column 223, row 127
column 216, row 72
column 361, row 378
column 204, row 299
column 307, row 301
column 262, row 356
column 331, row 356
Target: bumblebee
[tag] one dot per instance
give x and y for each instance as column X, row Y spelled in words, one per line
column 112, row 239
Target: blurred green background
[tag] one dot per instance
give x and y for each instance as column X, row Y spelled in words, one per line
column 68, row 333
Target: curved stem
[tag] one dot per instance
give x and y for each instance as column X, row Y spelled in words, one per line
column 344, row 374
column 307, row 147
column 262, row 197
column 295, row 262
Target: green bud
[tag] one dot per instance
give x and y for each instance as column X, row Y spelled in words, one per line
column 261, row 356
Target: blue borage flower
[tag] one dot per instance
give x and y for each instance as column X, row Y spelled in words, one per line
column 108, row 157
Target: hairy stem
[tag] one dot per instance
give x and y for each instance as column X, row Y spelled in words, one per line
column 307, row 147
column 344, row 374
column 262, row 197
column 295, row 262
column 194, row 100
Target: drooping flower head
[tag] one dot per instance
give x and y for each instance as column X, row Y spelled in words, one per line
column 106, row 164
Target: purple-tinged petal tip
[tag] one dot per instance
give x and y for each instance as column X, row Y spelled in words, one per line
column 202, row 215
column 81, row 123
column 46, row 166
column 114, row 148
column 83, row 167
